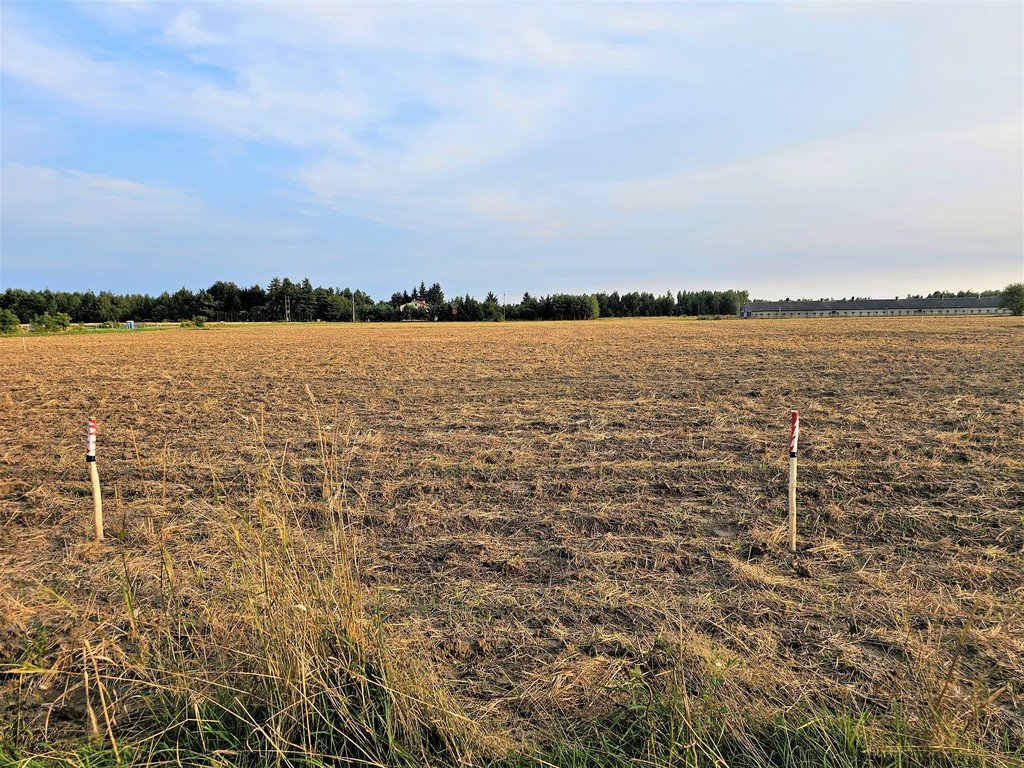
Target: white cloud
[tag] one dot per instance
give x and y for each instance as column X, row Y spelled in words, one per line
column 326, row 77
column 186, row 28
column 272, row 102
column 63, row 72
column 923, row 192
column 511, row 33
column 43, row 198
column 40, row 196
column 72, row 229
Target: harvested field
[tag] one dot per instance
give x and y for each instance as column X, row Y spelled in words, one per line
column 547, row 513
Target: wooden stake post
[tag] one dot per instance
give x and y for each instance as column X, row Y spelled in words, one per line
column 94, row 476
column 794, row 436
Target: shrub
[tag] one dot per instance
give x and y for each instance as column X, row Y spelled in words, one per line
column 47, row 323
column 199, row 321
column 9, row 323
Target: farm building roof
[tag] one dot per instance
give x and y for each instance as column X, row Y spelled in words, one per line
column 968, row 302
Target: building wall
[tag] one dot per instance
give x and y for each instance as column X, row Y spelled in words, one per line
column 878, row 312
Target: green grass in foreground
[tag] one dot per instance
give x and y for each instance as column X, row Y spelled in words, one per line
column 661, row 733
column 655, row 733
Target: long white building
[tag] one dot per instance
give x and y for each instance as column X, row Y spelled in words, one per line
column 971, row 305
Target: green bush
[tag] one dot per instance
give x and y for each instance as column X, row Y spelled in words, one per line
column 47, row 323
column 9, row 323
column 199, row 321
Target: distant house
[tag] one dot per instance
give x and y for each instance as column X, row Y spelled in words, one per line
column 970, row 305
column 417, row 309
column 416, row 305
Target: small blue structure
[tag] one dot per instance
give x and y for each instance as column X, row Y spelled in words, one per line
column 130, row 325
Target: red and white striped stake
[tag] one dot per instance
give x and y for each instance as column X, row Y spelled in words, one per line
column 94, row 476
column 794, row 437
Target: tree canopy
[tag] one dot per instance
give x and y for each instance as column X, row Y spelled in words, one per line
column 1012, row 298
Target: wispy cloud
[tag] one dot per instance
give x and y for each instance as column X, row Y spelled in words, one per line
column 926, row 191
column 75, row 223
column 36, row 195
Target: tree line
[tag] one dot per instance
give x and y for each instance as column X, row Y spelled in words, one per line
column 957, row 294
column 284, row 299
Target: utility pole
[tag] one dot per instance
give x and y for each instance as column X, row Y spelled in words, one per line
column 353, row 306
column 287, row 309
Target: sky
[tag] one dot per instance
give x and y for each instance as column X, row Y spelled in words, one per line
column 816, row 149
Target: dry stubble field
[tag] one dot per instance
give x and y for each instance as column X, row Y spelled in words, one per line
column 546, row 512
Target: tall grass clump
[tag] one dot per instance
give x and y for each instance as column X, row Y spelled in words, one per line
column 669, row 728
column 294, row 671
column 265, row 654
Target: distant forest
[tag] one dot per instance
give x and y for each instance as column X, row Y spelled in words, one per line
column 300, row 301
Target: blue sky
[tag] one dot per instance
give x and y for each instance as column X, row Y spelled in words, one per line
column 790, row 149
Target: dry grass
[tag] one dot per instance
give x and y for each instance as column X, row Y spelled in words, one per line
column 543, row 513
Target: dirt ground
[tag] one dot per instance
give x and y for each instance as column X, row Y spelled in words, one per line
column 546, row 510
